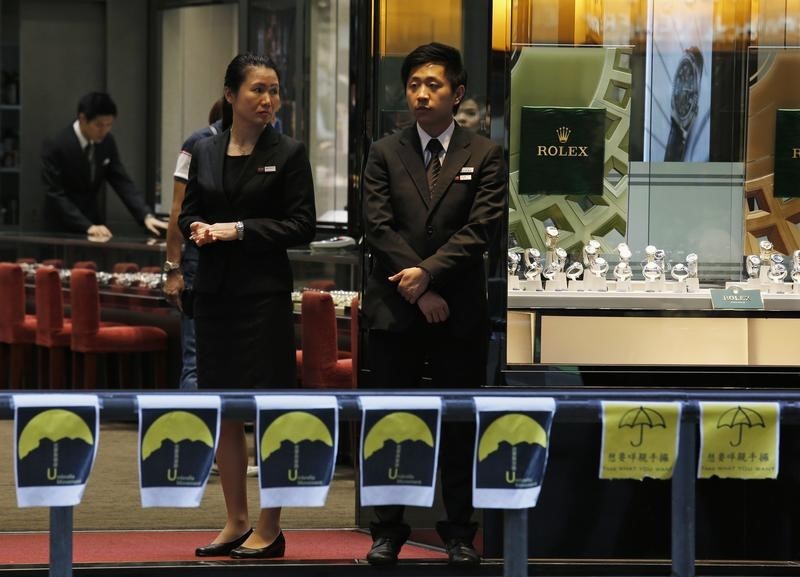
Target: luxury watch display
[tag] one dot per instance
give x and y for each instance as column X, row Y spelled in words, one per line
column 550, row 237
column 624, row 252
column 753, row 266
column 691, row 264
column 651, row 270
column 684, row 102
column 599, row 267
column 777, row 270
column 574, row 271
column 796, row 266
column 590, row 248
column 679, row 272
column 766, row 250
column 623, row 271
column 513, row 263
column 533, row 263
column 556, row 265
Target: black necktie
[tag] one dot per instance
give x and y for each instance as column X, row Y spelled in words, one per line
column 434, row 164
column 89, row 152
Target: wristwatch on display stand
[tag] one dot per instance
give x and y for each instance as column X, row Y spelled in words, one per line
column 684, row 102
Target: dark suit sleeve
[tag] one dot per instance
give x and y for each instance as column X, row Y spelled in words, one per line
column 55, row 192
column 298, row 223
column 122, row 184
column 472, row 239
column 192, row 206
column 388, row 246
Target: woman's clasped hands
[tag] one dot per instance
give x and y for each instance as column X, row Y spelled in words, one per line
column 204, row 233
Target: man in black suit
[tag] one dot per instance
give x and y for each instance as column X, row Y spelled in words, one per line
column 434, row 195
column 76, row 164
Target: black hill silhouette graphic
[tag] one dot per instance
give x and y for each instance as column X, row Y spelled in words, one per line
column 177, row 447
column 399, row 447
column 54, row 445
column 297, row 447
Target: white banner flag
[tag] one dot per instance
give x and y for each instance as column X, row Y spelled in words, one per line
column 177, row 441
column 296, row 443
column 512, row 438
column 399, row 449
column 55, row 443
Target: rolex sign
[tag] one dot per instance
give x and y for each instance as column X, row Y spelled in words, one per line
column 561, row 150
column 787, row 154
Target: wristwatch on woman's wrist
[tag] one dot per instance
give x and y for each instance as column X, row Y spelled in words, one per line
column 684, row 102
column 239, row 230
column 170, row 266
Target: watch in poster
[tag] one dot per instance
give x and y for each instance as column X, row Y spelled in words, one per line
column 678, row 102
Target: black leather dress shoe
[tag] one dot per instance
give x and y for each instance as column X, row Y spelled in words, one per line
column 462, row 554
column 275, row 549
column 220, row 549
column 384, row 551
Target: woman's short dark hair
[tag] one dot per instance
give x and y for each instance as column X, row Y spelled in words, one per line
column 235, row 75
column 436, row 53
column 96, row 104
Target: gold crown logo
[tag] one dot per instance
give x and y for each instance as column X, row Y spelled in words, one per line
column 563, row 134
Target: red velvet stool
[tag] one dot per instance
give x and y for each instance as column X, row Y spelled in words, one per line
column 125, row 267
column 17, row 329
column 322, row 365
column 90, row 338
column 53, row 333
column 90, row 264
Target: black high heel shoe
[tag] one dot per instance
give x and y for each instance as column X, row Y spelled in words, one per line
column 275, row 549
column 221, row 549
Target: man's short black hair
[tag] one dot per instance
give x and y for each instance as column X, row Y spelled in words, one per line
column 96, row 104
column 436, row 53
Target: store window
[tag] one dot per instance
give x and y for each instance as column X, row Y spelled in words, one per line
column 309, row 42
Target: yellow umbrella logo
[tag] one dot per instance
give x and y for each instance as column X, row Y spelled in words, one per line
column 399, row 426
column 55, row 425
column 294, row 426
column 513, row 428
column 175, row 426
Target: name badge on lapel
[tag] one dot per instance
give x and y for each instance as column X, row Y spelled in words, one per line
column 467, row 169
column 263, row 169
column 461, row 177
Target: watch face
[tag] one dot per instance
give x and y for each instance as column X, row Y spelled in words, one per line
column 685, row 92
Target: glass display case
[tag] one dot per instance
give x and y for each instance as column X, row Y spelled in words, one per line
column 626, row 279
column 330, row 269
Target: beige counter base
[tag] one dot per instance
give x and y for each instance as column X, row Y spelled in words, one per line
column 652, row 340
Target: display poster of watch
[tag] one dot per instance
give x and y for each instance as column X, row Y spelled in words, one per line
column 562, row 150
column 678, row 83
column 684, row 103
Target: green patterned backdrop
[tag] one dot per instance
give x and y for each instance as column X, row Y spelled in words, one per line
column 583, row 77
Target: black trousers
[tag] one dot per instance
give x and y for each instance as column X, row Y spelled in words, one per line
column 400, row 360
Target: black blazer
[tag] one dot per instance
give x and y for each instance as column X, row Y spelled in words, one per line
column 274, row 198
column 71, row 198
column 447, row 235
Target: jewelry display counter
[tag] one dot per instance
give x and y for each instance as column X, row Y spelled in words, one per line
column 333, row 268
column 649, row 329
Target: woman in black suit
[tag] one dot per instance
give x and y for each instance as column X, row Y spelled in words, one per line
column 250, row 196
